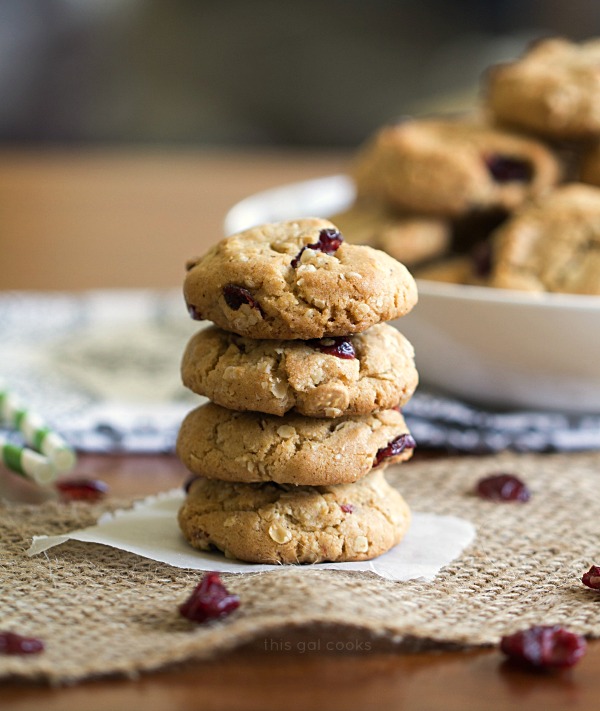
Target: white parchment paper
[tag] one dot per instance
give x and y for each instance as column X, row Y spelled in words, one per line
column 150, row 530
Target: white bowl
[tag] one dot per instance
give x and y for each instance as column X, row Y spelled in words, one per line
column 493, row 347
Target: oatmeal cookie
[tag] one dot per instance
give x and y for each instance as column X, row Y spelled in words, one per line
column 296, row 280
column 273, row 523
column 552, row 245
column 453, row 168
column 250, row 447
column 329, row 377
column 553, row 89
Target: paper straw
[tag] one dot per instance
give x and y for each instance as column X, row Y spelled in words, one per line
column 27, row 463
column 36, row 433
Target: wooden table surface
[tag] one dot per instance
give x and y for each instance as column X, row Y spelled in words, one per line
column 130, row 218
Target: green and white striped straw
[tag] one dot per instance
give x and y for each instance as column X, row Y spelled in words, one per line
column 35, row 432
column 27, row 463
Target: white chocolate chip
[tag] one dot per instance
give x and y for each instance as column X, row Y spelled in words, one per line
column 332, row 412
column 313, row 515
column 280, row 534
column 286, row 431
column 246, row 317
column 317, row 374
column 322, row 259
column 228, row 522
column 361, row 544
column 279, row 389
column 265, row 366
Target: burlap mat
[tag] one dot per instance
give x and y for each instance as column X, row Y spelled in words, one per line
column 102, row 611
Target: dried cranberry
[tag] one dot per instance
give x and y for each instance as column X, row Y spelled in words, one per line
column 82, row 489
column 395, row 447
column 194, row 313
column 329, row 241
column 11, row 643
column 341, row 347
column 592, row 578
column 237, row 296
column 502, row 487
column 544, row 647
column 209, row 600
column 507, row 169
column 347, row 508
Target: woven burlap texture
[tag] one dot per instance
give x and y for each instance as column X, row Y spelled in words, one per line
column 102, row 611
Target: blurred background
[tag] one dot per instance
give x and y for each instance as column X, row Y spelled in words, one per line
column 252, row 72
column 128, row 128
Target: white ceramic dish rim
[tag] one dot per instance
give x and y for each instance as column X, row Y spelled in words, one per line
column 336, row 192
column 509, row 297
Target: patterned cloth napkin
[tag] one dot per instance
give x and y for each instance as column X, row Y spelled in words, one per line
column 102, row 368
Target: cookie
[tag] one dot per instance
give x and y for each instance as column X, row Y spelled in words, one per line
column 296, row 280
column 271, row 523
column 553, row 90
column 250, row 447
column 411, row 239
column 453, row 168
column 552, row 245
column 330, row 377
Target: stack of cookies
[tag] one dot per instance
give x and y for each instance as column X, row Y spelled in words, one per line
column 306, row 381
column 499, row 197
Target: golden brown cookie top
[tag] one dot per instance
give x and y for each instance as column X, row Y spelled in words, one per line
column 296, row 280
column 552, row 244
column 553, row 89
column 453, row 167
